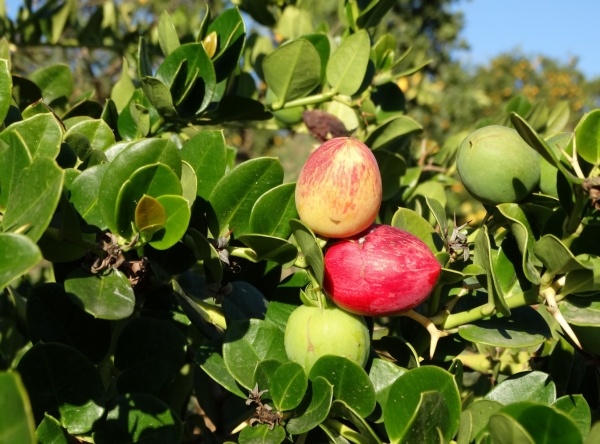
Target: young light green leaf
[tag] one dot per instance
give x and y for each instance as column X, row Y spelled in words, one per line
column 16, row 422
column 167, row 35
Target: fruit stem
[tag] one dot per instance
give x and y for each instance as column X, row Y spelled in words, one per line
column 310, row 100
column 431, row 328
column 465, row 317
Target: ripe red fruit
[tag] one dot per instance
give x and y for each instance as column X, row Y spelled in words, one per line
column 380, row 272
column 338, row 193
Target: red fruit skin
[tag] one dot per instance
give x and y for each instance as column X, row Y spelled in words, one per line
column 338, row 193
column 380, row 272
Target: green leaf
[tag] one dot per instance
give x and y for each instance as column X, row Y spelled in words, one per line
column 97, row 131
column 351, row 383
column 5, row 89
column 167, row 35
column 537, row 143
column 372, row 16
column 270, row 248
column 310, row 248
column 200, row 73
column 524, row 328
column 481, row 410
column 587, row 138
column 54, row 81
column 63, row 383
column 408, row 220
column 391, row 135
column 206, row 152
column 53, row 317
column 133, row 157
column 42, row 135
column 138, row 418
column 594, row 436
column 262, row 434
column 292, row 71
column 14, row 158
column 484, row 258
column 205, row 251
column 323, row 47
column 288, row 385
column 150, row 216
column 244, row 302
column 85, row 190
column 16, row 421
column 556, row 257
column 160, row 96
column 50, row 432
column 153, row 180
column 577, row 408
column 18, row 255
column 581, row 311
column 558, row 117
column 189, row 183
column 439, row 213
column 123, row 90
column 506, row 430
column 231, row 33
column 519, row 226
column 249, row 342
column 465, row 430
column 525, row 386
column 383, row 374
column 263, row 375
column 235, row 194
column 105, row 297
column 273, row 210
column 210, row 359
column 542, row 423
column 314, row 413
column 34, row 198
column 429, row 420
column 147, row 343
column 348, row 64
column 391, row 167
column 294, row 22
column 178, row 219
column 405, row 397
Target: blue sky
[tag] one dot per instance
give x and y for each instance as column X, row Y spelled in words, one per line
column 559, row 29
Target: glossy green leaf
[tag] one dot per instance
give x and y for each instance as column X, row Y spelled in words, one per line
column 55, row 81
column 153, row 180
column 199, row 315
column 178, row 219
column 294, row 22
column 392, row 167
column 506, row 430
column 18, row 255
column 200, row 71
column 34, row 198
column 558, row 117
column 410, row 221
column 586, row 136
column 484, row 258
column 533, row 386
column 133, row 157
column 205, row 251
column 430, row 418
column 383, row 374
column 5, row 89
column 16, row 421
column 311, row 415
column 236, row 193
column 231, row 33
column 278, row 313
column 405, row 397
column 310, row 248
column 189, row 183
column 123, row 90
column 273, row 210
column 210, row 359
column 147, row 343
column 262, row 434
column 581, row 281
column 372, row 16
column 537, row 143
column 138, row 418
column 42, row 135
column 53, row 317
column 150, row 215
column 577, row 408
column 144, row 67
column 351, row 383
column 206, row 152
column 97, row 131
column 50, row 432
column 25, row 92
column 244, row 302
column 270, row 248
column 323, row 47
column 167, row 35
column 288, row 386
column 348, row 64
column 160, row 96
column 107, row 296
column 249, row 342
column 542, row 423
column 524, row 328
column 263, row 375
column 85, row 190
column 481, row 410
column 581, row 311
column 63, row 383
column 465, row 429
column 556, row 257
column 390, row 135
column 292, row 71
column 14, row 157
column 137, row 117
column 339, row 409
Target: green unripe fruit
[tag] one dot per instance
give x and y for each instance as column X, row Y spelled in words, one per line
column 311, row 333
column 497, row 166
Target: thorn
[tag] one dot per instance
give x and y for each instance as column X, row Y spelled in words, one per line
column 556, row 314
column 431, row 328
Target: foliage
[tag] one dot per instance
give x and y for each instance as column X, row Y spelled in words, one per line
column 169, row 270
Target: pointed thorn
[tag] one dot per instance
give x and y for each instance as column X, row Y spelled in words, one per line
column 556, row 314
column 431, row 328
